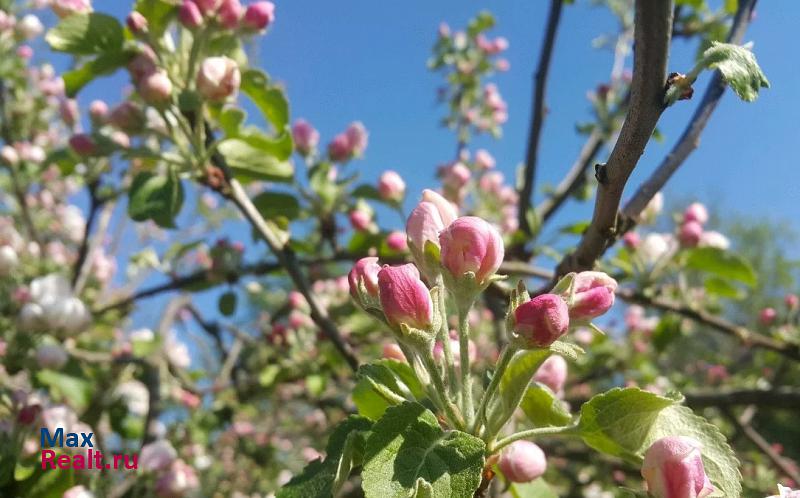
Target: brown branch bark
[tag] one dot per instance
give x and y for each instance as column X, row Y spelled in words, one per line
column 690, row 139
column 538, row 112
column 782, row 464
column 779, row 397
column 652, row 30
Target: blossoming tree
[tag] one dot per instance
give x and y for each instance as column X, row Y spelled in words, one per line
column 435, row 359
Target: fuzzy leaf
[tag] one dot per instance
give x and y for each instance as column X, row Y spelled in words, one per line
column 543, row 408
column 738, row 67
column 408, row 455
column 721, row 263
column 86, row 34
column 382, row 384
column 248, row 162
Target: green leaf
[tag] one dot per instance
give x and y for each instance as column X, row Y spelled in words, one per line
column 269, row 99
column 65, row 387
column 738, row 67
column 513, row 385
column 156, row 197
column 382, row 384
column 277, row 204
column 409, row 455
column 280, row 146
column 86, row 34
column 323, row 478
column 104, row 64
column 575, row 228
column 227, row 303
column 158, row 14
column 367, row 191
column 543, row 408
column 249, row 163
column 722, row 288
column 721, row 263
column 534, row 489
column 65, row 159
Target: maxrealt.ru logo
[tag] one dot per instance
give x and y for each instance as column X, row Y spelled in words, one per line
column 89, row 458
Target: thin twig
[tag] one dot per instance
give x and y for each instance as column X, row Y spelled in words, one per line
column 690, row 139
column 652, row 29
column 538, row 112
column 782, row 464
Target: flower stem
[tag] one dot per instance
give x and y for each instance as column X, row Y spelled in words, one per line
column 466, row 379
column 444, row 336
column 450, row 413
column 502, row 364
column 569, row 430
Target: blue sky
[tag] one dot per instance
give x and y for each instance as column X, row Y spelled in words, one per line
column 366, row 60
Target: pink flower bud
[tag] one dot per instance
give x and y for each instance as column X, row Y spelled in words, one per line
column 456, row 176
column 696, row 212
column 542, row 320
column 484, row 160
column 502, row 65
column 392, row 351
column 631, row 240
column 522, row 461
column 29, row 27
column 142, row 64
column 218, row 78
column 230, row 12
column 364, row 272
column 552, row 373
column 189, row 15
column 767, row 316
column 69, row 112
column 177, row 481
column 25, row 51
column 98, row 112
column 673, row 468
column 404, row 298
column 357, row 137
column 470, row 244
column 128, row 117
column 792, row 301
column 155, row 88
column 64, row 8
column 137, row 23
column 447, row 211
column 339, row 149
column 690, row 233
column 305, row 136
column 207, row 7
column 360, row 220
column 259, row 15
column 83, row 144
column 593, row 295
column 157, row 455
column 397, row 241
column 391, row 186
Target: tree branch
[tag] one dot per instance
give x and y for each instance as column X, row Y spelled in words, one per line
column 690, row 139
column 779, row 397
column 653, row 26
column 538, row 113
column 781, row 463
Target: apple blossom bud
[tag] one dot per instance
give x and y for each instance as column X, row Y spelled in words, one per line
column 397, row 241
column 364, row 275
column 360, row 220
column 593, row 295
column 9, row 260
column 305, row 137
column 712, row 238
column 631, row 240
column 157, row 455
column 25, row 51
column 792, row 301
column 484, row 160
column 392, row 351
column 259, row 16
column 128, row 117
column 29, row 27
column 68, row 109
column 470, row 244
column 690, row 233
column 9, row 155
column 189, row 15
column 51, row 356
column 391, row 186
column 218, row 78
column 552, row 373
column 767, row 316
column 98, row 112
column 77, row 492
column 339, row 149
column 83, row 144
column 137, row 23
column 696, row 212
column 177, row 481
column 229, row 13
column 404, row 298
column 652, row 209
column 155, row 88
column 31, row 317
column 502, row 65
column 522, row 461
column 64, row 8
column 542, row 320
column 357, row 137
column 447, row 211
column 673, row 468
